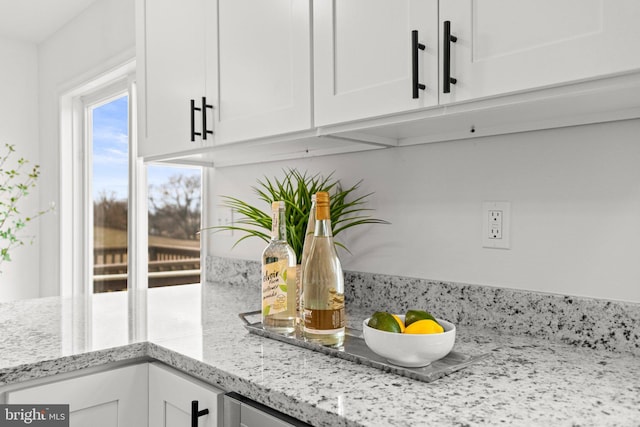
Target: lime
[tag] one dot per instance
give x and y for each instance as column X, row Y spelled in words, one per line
column 415, row 315
column 384, row 321
column 424, row 326
column 400, row 322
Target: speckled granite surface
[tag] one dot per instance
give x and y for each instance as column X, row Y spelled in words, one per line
column 583, row 322
column 526, row 381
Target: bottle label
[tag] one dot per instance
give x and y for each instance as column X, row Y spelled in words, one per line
column 324, row 321
column 274, row 287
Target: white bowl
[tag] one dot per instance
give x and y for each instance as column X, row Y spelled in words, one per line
column 410, row 350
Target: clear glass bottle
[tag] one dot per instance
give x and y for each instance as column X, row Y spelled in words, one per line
column 279, row 277
column 308, row 239
column 323, row 283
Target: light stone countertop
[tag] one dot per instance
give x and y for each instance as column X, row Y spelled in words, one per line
column 525, row 381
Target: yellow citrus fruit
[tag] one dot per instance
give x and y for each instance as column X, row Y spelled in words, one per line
column 384, row 321
column 425, row 326
column 400, row 322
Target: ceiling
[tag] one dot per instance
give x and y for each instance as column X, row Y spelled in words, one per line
column 35, row 20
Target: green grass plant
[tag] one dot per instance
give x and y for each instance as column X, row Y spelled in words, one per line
column 295, row 189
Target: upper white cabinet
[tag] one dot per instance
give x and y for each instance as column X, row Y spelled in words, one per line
column 507, row 46
column 264, row 68
column 366, row 62
column 175, row 53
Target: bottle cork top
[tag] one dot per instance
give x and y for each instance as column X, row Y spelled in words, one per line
column 322, row 205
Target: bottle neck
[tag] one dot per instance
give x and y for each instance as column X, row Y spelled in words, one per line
column 323, row 228
column 278, row 225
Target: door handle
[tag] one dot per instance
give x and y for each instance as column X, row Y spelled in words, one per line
column 447, row 40
column 203, row 110
column 195, row 413
column 193, row 120
column 415, row 46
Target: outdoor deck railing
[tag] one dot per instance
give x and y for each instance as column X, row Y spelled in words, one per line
column 168, row 265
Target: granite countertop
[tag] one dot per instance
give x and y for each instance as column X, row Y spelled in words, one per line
column 525, row 381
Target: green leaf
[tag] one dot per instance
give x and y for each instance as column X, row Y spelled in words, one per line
column 283, row 288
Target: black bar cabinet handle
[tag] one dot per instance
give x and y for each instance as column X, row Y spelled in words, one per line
column 415, row 45
column 193, row 120
column 195, row 413
column 205, row 131
column 448, row 39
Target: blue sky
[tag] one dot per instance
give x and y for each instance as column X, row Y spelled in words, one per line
column 110, row 152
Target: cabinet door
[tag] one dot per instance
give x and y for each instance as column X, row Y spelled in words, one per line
column 170, row 397
column 363, row 57
column 264, row 79
column 505, row 46
column 171, row 43
column 106, row 399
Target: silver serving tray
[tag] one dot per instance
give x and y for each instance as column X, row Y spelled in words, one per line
column 357, row 351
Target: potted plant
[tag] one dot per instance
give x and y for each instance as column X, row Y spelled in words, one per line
column 15, row 184
column 296, row 189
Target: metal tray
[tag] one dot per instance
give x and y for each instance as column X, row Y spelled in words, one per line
column 356, row 350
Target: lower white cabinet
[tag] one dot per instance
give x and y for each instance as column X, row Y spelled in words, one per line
column 144, row 394
column 117, row 397
column 172, row 396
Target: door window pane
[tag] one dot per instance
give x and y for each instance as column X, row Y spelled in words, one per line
column 110, row 177
column 174, row 225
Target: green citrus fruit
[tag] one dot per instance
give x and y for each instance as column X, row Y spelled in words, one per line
column 415, row 315
column 384, row 321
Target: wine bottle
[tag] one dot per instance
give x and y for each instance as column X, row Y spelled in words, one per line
column 308, row 239
column 323, row 283
column 278, row 277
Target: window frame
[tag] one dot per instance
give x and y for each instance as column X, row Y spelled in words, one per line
column 76, row 200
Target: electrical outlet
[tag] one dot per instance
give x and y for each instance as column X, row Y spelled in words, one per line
column 495, row 224
column 224, row 218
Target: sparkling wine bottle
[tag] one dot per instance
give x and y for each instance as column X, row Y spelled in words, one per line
column 323, row 283
column 308, row 239
column 279, row 277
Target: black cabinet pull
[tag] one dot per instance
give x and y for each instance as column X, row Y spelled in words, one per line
column 448, row 39
column 195, row 413
column 415, row 45
column 193, row 120
column 204, row 108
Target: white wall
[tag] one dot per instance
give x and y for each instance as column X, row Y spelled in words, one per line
column 102, row 37
column 19, row 126
column 575, row 209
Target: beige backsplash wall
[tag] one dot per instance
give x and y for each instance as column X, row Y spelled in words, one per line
column 575, row 209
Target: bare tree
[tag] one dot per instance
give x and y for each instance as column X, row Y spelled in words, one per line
column 174, row 207
column 110, row 212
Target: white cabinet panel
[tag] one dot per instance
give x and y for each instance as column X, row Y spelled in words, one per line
column 363, row 57
column 507, row 46
column 170, row 397
column 106, row 399
column 172, row 69
column 264, row 61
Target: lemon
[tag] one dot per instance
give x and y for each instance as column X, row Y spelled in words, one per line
column 384, row 321
column 424, row 326
column 400, row 322
column 415, row 315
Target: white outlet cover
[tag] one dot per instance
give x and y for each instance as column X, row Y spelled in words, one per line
column 488, row 241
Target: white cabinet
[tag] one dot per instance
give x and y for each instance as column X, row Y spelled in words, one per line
column 171, row 397
column 508, row 46
column 106, row 399
column 264, row 62
column 244, row 64
column 364, row 58
column 174, row 50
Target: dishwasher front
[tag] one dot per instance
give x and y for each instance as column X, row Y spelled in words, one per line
column 239, row 411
